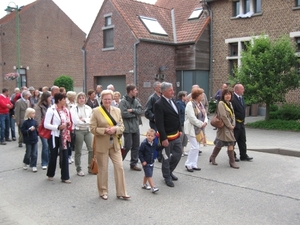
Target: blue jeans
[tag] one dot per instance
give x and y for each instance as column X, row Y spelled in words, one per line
column 3, row 123
column 12, row 128
column 30, row 157
column 45, row 152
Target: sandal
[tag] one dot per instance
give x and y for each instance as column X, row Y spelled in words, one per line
column 125, row 197
column 104, row 197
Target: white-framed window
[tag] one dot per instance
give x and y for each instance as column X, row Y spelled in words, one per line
column 246, row 8
column 108, row 32
column 296, row 36
column 196, row 14
column 153, row 26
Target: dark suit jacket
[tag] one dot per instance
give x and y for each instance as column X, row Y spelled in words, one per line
column 239, row 109
column 166, row 119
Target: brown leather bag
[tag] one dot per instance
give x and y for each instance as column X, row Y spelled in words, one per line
column 94, row 164
column 216, row 122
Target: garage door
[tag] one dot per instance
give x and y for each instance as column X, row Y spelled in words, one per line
column 119, row 82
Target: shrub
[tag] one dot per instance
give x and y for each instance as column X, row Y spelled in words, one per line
column 272, row 124
column 286, row 112
column 64, row 81
column 212, row 105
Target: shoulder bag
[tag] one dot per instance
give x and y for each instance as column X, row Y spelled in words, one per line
column 216, row 122
column 94, row 163
column 42, row 131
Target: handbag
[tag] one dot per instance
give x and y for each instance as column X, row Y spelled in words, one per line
column 44, row 132
column 216, row 122
column 94, row 163
column 200, row 136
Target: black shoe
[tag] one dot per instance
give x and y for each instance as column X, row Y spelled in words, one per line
column 190, row 170
column 173, row 177
column 2, row 143
column 135, row 168
column 20, row 145
column 14, row 139
column 236, row 159
column 247, row 158
column 7, row 139
column 169, row 183
column 196, row 168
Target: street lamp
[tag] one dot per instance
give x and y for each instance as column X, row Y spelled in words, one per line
column 16, row 9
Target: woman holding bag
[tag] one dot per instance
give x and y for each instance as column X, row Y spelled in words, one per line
column 106, row 124
column 195, row 120
column 225, row 135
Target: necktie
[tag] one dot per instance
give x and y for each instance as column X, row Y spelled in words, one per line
column 241, row 100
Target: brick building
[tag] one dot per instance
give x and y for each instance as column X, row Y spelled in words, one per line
column 50, row 46
column 237, row 21
column 135, row 42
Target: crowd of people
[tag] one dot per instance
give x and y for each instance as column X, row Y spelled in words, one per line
column 100, row 119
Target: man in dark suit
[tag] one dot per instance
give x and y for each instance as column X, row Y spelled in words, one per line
column 167, row 122
column 239, row 130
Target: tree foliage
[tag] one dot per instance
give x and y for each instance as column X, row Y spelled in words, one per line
column 64, row 81
column 268, row 70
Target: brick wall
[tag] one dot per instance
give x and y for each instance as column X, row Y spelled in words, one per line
column 278, row 18
column 50, row 45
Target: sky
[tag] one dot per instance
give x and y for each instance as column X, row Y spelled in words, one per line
column 81, row 12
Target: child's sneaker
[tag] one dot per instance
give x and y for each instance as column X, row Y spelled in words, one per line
column 154, row 190
column 34, row 169
column 146, row 187
column 25, row 166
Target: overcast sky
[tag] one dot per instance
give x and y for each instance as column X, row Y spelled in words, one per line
column 82, row 12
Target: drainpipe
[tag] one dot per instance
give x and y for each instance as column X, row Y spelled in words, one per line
column 84, row 70
column 210, row 49
column 135, row 62
column 174, row 26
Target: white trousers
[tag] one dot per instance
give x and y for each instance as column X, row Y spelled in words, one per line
column 192, row 158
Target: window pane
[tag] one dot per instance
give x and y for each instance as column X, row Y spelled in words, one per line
column 298, row 3
column 232, row 65
column 244, row 45
column 234, row 49
column 298, row 44
column 108, row 21
column 258, row 6
column 108, row 36
column 153, row 26
column 236, row 8
column 247, row 6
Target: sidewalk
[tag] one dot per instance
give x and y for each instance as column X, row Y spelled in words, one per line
column 269, row 141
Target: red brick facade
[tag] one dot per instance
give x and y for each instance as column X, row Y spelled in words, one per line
column 50, row 45
column 277, row 18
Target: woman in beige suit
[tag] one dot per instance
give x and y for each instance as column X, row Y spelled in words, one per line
column 225, row 135
column 107, row 125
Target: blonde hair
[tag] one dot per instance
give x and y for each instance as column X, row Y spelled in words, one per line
column 117, row 93
column 107, row 92
column 79, row 95
column 28, row 112
column 71, row 94
column 150, row 130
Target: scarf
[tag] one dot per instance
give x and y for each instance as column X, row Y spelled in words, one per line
column 65, row 133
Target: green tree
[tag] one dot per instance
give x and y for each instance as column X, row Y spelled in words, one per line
column 64, row 81
column 268, row 71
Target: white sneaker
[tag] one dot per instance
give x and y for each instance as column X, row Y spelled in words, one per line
column 80, row 173
column 146, row 187
column 25, row 166
column 185, row 153
column 70, row 160
column 155, row 189
column 44, row 167
column 34, row 169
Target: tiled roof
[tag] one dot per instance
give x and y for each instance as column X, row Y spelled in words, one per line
column 12, row 15
column 186, row 30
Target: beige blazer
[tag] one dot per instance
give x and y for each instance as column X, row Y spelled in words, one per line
column 20, row 108
column 98, row 124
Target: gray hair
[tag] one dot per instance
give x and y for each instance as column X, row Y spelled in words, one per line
column 26, row 92
column 54, row 87
column 110, row 86
column 164, row 86
column 155, row 84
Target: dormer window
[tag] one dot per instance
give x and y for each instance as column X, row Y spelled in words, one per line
column 196, row 14
column 153, row 26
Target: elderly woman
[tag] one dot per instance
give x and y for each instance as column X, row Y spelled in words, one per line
column 40, row 112
column 107, row 126
column 81, row 115
column 195, row 120
column 116, row 101
column 225, row 135
column 92, row 101
column 59, row 122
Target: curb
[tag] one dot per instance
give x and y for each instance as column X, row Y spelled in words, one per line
column 279, row 151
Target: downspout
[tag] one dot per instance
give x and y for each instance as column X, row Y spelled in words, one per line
column 135, row 62
column 210, row 49
column 84, row 70
column 174, row 26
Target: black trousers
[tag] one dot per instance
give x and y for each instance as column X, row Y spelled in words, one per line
column 63, row 159
column 240, row 136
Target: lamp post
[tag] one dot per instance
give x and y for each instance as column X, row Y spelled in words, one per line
column 16, row 9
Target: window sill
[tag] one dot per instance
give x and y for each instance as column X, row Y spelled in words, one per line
column 296, row 8
column 255, row 14
column 108, row 49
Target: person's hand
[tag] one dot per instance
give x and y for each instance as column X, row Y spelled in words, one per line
column 204, row 125
column 32, row 128
column 144, row 163
column 129, row 110
column 62, row 126
column 165, row 143
column 232, row 127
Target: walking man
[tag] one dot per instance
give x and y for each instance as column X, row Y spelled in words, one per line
column 167, row 120
column 130, row 110
column 239, row 129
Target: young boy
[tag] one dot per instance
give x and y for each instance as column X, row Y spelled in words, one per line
column 146, row 156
